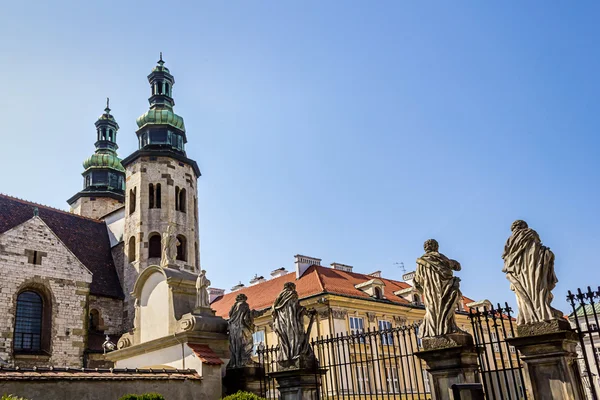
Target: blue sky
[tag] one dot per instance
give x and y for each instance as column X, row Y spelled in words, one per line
column 350, row 131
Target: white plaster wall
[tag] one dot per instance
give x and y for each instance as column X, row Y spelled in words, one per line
column 173, row 356
column 154, row 308
column 115, row 223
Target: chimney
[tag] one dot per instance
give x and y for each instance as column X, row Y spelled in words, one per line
column 341, row 267
column 409, row 277
column 279, row 272
column 214, row 293
column 303, row 262
column 376, row 274
column 237, row 287
column 257, row 279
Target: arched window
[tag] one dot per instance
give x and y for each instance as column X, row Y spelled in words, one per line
column 167, row 88
column 154, row 245
column 160, row 88
column 153, row 90
column 132, row 198
column 182, row 201
column 416, row 299
column 29, row 322
column 131, row 249
column 157, row 201
column 182, row 248
column 103, row 133
column 378, row 294
column 110, row 135
column 150, row 196
column 94, row 320
column 176, row 198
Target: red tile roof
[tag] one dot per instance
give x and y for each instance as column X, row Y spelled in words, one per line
column 87, row 238
column 205, row 353
column 317, row 279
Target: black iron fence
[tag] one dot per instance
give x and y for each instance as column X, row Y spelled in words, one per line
column 586, row 307
column 499, row 363
column 373, row 364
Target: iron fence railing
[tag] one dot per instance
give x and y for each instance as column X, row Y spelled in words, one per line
column 373, row 364
column 586, row 308
column 499, row 363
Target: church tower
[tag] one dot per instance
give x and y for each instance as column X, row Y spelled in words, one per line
column 104, row 176
column 160, row 188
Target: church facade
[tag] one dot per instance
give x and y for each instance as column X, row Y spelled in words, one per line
column 68, row 277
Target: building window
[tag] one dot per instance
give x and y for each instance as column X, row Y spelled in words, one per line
column 416, row 300
column 426, row 381
column 29, row 322
column 132, row 199
column 386, row 338
column 362, row 379
column 494, row 340
column 167, row 88
column 182, row 198
column 150, row 196
column 391, row 376
column 357, row 326
column 378, row 294
column 131, row 249
column 176, row 198
column 510, row 348
column 154, row 245
column 182, row 248
column 94, row 320
column 258, row 337
column 417, row 336
column 157, row 200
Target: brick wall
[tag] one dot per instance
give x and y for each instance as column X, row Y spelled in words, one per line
column 62, row 281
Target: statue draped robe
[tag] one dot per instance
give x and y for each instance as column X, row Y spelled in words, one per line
column 441, row 292
column 529, row 266
column 241, row 328
column 202, row 284
column 288, row 324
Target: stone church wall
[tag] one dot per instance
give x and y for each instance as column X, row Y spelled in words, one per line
column 96, row 208
column 62, row 281
column 111, row 313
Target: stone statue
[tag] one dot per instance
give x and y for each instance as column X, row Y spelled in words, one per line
column 529, row 266
column 288, row 324
column 202, row 284
column 169, row 247
column 440, row 289
column 241, row 328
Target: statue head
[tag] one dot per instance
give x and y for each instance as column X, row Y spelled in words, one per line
column 431, row 245
column 203, row 272
column 289, row 286
column 241, row 297
column 518, row 224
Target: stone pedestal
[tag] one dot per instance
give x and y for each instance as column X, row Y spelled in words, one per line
column 451, row 359
column 548, row 350
column 247, row 379
column 298, row 384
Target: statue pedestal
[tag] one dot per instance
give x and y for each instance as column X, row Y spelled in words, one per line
column 298, row 384
column 247, row 379
column 548, row 350
column 451, row 359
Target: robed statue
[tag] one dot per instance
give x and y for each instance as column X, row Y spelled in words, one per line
column 202, row 284
column 529, row 266
column 441, row 291
column 169, row 247
column 241, row 328
column 288, row 324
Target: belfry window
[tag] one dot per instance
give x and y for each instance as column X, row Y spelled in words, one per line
column 132, row 199
column 182, row 200
column 182, row 248
column 131, row 249
column 29, row 320
column 157, row 201
column 167, row 88
column 154, row 246
column 150, row 196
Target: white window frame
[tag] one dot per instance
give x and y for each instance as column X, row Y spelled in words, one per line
column 357, row 325
column 258, row 337
column 387, row 339
column 393, row 383
column 494, row 340
column 426, row 381
column 362, row 379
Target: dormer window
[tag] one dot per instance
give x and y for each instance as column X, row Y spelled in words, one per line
column 373, row 287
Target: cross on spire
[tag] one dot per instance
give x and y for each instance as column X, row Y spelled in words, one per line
column 107, row 109
column 161, row 62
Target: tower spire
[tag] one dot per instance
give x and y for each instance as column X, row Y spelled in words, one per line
column 107, row 109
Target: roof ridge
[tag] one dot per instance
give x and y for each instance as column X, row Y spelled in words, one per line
column 319, row 278
column 47, row 207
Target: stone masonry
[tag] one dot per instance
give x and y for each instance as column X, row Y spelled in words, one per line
column 95, row 207
column 64, row 284
column 144, row 221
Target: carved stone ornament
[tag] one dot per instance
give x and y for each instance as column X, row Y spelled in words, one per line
column 123, row 342
column 400, row 321
column 324, row 314
column 441, row 290
column 339, row 313
column 187, row 324
column 529, row 266
column 371, row 316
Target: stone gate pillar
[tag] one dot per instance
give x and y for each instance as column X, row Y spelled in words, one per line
column 548, row 350
column 451, row 360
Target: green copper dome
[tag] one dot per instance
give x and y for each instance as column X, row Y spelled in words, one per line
column 99, row 160
column 161, row 117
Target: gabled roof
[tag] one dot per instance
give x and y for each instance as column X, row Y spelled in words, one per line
column 316, row 280
column 86, row 238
